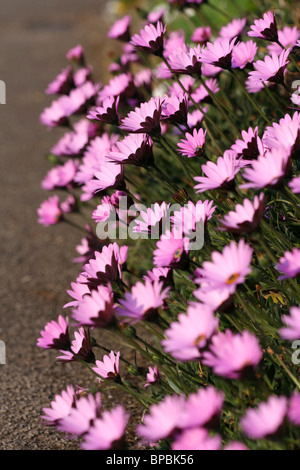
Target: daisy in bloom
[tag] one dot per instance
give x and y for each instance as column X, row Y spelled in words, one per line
column 50, row 212
column 196, row 439
column 81, row 416
column 82, row 76
column 58, row 112
column 77, row 292
column 291, row 331
column 164, row 275
column 288, row 37
column 60, row 176
column 104, row 212
column 135, row 149
column 232, row 355
column 220, row 174
column 152, row 376
column 107, row 432
column 246, row 217
column 150, row 39
column 106, row 266
column 202, row 95
column 117, row 86
column 269, row 170
column 107, row 113
column 250, row 146
column 120, row 29
column 145, row 119
column 143, row 301
column 108, row 176
column 62, row 84
column 265, row 420
column 201, row 35
column 218, row 299
column 86, row 249
column 195, row 118
column 189, row 336
column 289, row 264
column 186, row 60
column 153, row 221
column 74, row 143
column 76, row 54
column 265, row 28
column 272, row 68
column 294, row 184
column 203, row 409
column 60, row 407
column 96, row 309
column 194, row 144
column 175, row 109
column 109, row 367
column 294, row 409
column 243, row 54
column 171, row 251
column 219, row 53
column 192, row 216
column 55, row 335
column 233, row 29
column 80, row 348
column 174, row 41
column 286, row 133
column 227, row 269
column 156, row 15
column 254, row 86
column 163, row 420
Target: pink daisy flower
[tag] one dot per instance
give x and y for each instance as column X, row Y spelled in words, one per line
column 291, row 331
column 232, row 355
column 219, row 53
column 50, row 212
column 286, row 133
column 294, row 409
column 294, row 184
column 164, row 275
column 82, row 416
column 265, row 420
column 96, row 309
column 152, row 376
column 174, row 41
column 107, row 113
column 203, row 409
column 265, row 28
column 150, row 39
column 163, row 420
column 250, row 146
column 289, row 264
column 220, row 174
column 201, row 35
column 153, row 221
column 156, row 15
column 80, row 348
column 233, row 29
column 189, row 336
column 243, row 54
column 272, row 68
column 186, row 60
column 288, row 37
column 143, row 301
column 194, row 144
column 175, row 109
column 109, row 367
column 62, row 84
column 235, row 445
column 171, row 251
column 83, row 75
column 196, row 439
column 107, row 432
column 269, row 170
column 135, row 149
column 117, row 86
column 77, row 292
column 76, row 54
column 246, row 217
column 106, row 266
column 60, row 407
column 61, row 176
column 55, row 335
column 218, row 299
column 145, row 119
column 202, row 95
column 188, row 218
column 227, row 269
column 104, row 212
column 73, row 143
column 120, row 29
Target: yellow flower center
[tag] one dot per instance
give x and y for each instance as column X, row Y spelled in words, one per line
column 199, row 340
column 232, row 278
column 177, row 253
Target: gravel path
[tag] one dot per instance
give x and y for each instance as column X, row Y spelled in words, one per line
column 35, row 265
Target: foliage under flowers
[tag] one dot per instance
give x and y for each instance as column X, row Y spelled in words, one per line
column 208, row 124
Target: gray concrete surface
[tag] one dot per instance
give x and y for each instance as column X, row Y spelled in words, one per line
column 35, row 262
